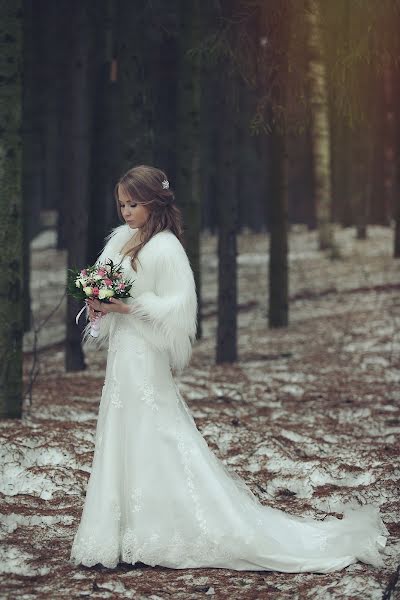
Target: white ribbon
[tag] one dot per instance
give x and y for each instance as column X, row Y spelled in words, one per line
column 79, row 314
column 95, row 326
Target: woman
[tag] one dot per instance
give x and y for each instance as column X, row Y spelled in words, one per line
column 157, row 493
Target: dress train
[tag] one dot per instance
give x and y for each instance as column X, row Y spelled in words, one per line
column 158, row 494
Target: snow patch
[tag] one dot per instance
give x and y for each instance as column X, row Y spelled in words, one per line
column 19, row 475
column 320, row 476
column 12, row 521
column 293, row 390
column 45, row 239
column 293, row 377
column 292, row 435
column 14, row 560
column 374, row 361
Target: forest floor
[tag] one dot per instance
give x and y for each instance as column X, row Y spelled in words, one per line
column 308, row 416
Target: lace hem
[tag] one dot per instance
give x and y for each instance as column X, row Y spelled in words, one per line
column 176, row 553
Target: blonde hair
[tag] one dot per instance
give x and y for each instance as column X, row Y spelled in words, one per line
column 143, row 185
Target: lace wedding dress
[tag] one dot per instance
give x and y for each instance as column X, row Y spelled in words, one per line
column 156, row 492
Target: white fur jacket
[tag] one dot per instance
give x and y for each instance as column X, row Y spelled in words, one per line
column 163, row 302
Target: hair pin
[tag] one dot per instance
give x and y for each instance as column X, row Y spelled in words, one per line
column 165, row 184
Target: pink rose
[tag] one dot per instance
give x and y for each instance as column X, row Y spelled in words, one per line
column 95, row 291
column 121, row 286
column 108, row 281
column 84, row 272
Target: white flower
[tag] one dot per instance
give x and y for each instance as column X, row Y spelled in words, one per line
column 97, row 277
column 165, row 184
column 88, row 290
column 105, row 294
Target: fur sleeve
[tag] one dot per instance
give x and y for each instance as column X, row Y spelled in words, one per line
column 168, row 315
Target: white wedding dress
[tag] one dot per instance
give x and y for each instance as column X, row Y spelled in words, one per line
column 157, row 494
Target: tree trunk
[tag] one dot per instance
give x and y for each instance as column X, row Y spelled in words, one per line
column 104, row 151
column 50, row 58
column 340, row 154
column 379, row 193
column 31, row 182
column 363, row 169
column 365, row 140
column 64, row 94
column 11, row 254
column 396, row 200
column 166, row 57
column 320, row 137
column 135, row 52
column 209, row 128
column 341, row 133
column 278, row 274
column 77, row 145
column 251, row 183
column 396, row 245
column 188, row 148
column 226, row 350
column 278, row 271
column 359, row 187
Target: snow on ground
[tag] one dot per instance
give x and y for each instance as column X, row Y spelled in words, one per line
column 309, row 416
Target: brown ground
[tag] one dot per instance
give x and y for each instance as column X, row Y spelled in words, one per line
column 308, row 415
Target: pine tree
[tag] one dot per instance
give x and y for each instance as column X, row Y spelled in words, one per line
column 320, row 132
column 227, row 199
column 135, row 52
column 77, row 147
column 188, row 143
column 32, row 141
column 277, row 18
column 11, row 252
column 227, row 220
column 396, row 207
column 104, row 164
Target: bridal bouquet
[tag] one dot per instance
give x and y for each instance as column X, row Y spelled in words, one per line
column 102, row 281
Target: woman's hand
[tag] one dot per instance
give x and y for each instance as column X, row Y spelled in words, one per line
column 93, row 315
column 115, row 306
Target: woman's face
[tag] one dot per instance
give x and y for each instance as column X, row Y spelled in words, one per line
column 133, row 213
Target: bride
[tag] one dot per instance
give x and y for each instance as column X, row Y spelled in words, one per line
column 157, row 494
